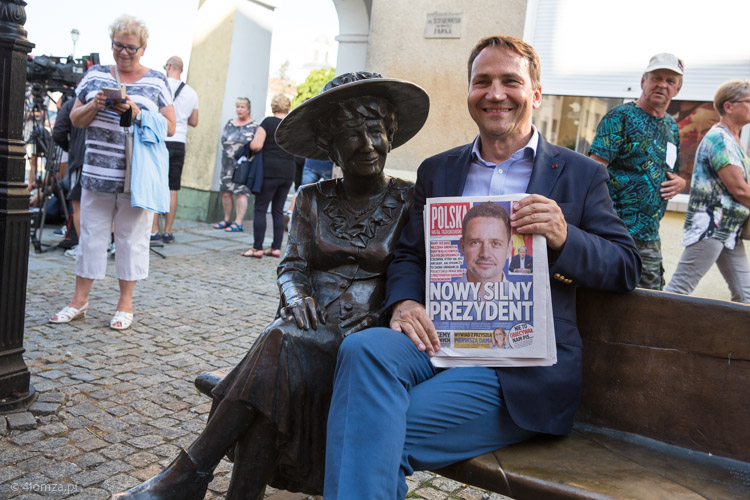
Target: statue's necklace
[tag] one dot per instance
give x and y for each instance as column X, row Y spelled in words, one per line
column 372, row 204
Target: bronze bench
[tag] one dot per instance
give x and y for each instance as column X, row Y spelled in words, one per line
column 665, row 409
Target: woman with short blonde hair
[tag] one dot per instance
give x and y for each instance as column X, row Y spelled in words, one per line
column 278, row 175
column 105, row 201
column 280, row 104
column 129, row 25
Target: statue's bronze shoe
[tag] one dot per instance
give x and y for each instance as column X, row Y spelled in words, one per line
column 180, row 481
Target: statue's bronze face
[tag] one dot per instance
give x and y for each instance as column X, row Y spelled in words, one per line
column 361, row 149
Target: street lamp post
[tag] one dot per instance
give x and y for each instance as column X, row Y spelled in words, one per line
column 74, row 34
column 15, row 219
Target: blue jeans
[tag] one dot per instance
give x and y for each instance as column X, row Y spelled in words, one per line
column 310, row 176
column 393, row 413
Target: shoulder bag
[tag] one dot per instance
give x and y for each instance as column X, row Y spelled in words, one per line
column 241, row 171
column 177, row 92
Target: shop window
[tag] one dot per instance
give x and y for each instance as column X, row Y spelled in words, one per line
column 570, row 116
column 574, row 128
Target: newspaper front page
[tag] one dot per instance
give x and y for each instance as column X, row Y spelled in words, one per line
column 487, row 287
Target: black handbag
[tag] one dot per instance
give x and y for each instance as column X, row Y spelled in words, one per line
column 241, row 171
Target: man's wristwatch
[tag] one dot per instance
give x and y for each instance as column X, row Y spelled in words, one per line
column 138, row 117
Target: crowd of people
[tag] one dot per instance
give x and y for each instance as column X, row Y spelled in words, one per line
column 94, row 130
column 244, row 140
column 638, row 142
column 292, row 410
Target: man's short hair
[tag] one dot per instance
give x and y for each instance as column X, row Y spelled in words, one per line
column 175, row 62
column 516, row 45
column 486, row 209
column 731, row 91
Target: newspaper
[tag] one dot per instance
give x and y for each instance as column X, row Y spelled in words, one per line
column 487, row 286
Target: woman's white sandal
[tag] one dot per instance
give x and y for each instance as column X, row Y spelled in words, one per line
column 68, row 314
column 121, row 320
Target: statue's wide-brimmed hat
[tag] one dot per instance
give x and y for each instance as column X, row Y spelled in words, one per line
column 296, row 134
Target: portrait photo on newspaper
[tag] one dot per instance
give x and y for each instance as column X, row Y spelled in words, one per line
column 487, row 286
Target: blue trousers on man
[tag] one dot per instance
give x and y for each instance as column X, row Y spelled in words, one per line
column 393, row 412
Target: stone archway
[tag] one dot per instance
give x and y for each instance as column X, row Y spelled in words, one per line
column 354, row 34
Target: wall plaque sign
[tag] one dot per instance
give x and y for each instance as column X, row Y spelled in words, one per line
column 443, row 25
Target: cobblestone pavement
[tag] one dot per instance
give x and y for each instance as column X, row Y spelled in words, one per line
column 113, row 407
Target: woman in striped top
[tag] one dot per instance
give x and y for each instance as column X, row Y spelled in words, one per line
column 103, row 200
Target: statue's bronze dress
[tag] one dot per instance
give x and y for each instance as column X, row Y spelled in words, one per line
column 339, row 257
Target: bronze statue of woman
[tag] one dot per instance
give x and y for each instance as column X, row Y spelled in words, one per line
column 272, row 408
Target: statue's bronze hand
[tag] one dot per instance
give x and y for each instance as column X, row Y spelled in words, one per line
column 303, row 309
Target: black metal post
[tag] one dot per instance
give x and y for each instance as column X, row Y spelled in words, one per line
column 15, row 219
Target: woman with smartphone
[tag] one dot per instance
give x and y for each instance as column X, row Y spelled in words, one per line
column 104, row 200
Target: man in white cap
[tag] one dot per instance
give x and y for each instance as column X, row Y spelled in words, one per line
column 639, row 143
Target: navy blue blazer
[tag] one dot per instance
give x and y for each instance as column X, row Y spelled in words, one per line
column 598, row 254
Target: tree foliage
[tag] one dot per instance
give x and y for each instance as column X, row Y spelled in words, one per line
column 312, row 85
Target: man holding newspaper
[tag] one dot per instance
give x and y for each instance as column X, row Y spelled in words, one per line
column 392, row 412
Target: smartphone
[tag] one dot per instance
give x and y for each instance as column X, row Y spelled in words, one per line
column 114, row 95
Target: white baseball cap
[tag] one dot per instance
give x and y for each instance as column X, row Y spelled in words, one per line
column 666, row 61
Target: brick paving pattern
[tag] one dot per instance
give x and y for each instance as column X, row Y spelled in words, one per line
column 114, row 407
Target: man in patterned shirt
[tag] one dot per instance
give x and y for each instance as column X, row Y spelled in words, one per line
column 639, row 144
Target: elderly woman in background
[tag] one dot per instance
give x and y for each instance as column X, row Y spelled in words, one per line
column 103, row 200
column 237, row 132
column 278, row 175
column 719, row 200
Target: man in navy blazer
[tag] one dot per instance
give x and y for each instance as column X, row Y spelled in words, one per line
column 392, row 412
